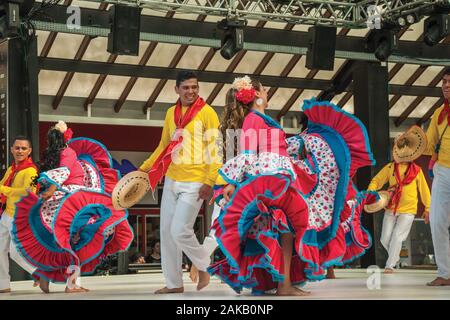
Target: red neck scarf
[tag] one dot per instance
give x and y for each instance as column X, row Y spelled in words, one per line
column 159, row 168
column 444, row 112
column 410, row 174
column 25, row 164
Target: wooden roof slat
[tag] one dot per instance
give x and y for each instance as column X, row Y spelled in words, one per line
column 410, row 82
column 131, row 82
column 344, row 99
column 162, row 82
column 52, row 36
column 269, row 55
column 233, row 65
column 311, row 74
column 430, row 111
column 98, row 84
column 417, row 100
column 419, row 71
column 69, row 75
column 395, row 69
column 112, row 58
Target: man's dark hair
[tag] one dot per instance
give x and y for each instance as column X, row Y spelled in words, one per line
column 185, row 75
column 22, row 138
column 446, row 71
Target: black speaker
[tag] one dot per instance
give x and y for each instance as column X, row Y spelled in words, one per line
column 125, row 28
column 322, row 43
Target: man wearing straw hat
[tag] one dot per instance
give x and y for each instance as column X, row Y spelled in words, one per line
column 186, row 156
column 406, row 182
column 438, row 135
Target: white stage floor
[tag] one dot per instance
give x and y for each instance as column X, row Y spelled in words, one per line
column 350, row 284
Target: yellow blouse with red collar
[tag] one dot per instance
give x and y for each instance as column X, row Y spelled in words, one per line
column 409, row 197
column 434, row 132
column 198, row 159
column 22, row 181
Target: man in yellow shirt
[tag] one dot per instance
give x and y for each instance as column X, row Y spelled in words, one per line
column 17, row 179
column 187, row 156
column 406, row 182
column 438, row 136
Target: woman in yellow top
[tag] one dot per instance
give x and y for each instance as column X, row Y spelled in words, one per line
column 406, row 182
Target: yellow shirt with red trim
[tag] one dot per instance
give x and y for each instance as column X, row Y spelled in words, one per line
column 434, row 132
column 409, row 198
column 21, row 182
column 198, row 159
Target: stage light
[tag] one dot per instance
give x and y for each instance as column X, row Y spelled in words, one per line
column 382, row 43
column 401, row 21
column 436, row 28
column 410, row 18
column 232, row 38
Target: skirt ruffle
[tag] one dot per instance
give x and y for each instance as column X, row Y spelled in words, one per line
column 248, row 231
column 79, row 234
column 82, row 226
column 326, row 116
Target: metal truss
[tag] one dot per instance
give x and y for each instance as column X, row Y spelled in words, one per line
column 341, row 13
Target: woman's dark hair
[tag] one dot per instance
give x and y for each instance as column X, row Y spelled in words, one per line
column 303, row 121
column 154, row 242
column 55, row 145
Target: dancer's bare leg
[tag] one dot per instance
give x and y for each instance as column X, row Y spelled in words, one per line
column 285, row 288
column 330, row 273
column 193, row 274
column 203, row 279
column 44, row 285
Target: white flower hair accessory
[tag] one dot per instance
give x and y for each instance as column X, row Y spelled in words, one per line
column 61, row 126
column 242, row 83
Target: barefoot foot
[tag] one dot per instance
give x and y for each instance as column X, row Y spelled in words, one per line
column 203, row 280
column 291, row 291
column 439, row 282
column 330, row 273
column 167, row 290
column 76, row 289
column 44, row 285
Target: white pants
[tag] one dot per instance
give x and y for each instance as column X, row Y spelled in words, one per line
column 440, row 219
column 395, row 230
column 7, row 246
column 210, row 243
column 179, row 209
